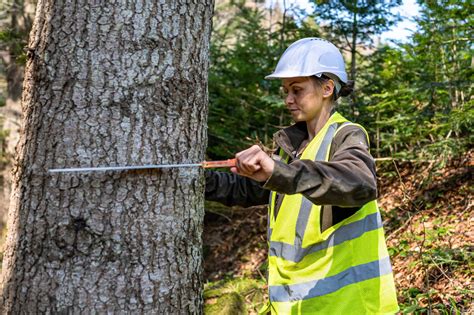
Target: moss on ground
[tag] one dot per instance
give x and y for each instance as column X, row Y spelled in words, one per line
column 234, row 296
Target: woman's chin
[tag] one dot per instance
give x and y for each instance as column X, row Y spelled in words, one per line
column 297, row 117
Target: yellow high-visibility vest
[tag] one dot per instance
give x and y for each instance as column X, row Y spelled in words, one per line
column 343, row 270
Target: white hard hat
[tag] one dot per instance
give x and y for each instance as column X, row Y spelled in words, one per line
column 310, row 56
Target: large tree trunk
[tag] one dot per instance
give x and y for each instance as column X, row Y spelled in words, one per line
column 110, row 83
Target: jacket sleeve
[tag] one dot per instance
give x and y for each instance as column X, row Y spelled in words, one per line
column 234, row 190
column 347, row 180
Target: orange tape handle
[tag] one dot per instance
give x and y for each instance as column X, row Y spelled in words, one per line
column 214, row 164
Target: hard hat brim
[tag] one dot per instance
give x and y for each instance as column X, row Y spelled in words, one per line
column 285, row 75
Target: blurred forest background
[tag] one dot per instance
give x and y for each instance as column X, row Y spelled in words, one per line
column 413, row 96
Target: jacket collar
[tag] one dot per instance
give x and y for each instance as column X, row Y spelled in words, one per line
column 289, row 139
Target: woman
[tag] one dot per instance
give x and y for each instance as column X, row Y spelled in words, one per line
column 327, row 250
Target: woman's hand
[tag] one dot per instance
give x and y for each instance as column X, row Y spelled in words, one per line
column 253, row 163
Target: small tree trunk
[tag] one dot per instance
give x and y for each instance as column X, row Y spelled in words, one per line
column 353, row 61
column 110, row 83
column 378, row 134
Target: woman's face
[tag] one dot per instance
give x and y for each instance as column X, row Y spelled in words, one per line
column 304, row 98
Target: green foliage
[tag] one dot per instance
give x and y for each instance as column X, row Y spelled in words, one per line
column 244, row 107
column 14, row 41
column 414, row 99
column 355, row 19
column 415, row 301
column 437, row 262
column 401, row 249
column 3, row 100
column 15, row 24
column 3, row 136
column 448, row 258
column 417, row 97
column 351, row 24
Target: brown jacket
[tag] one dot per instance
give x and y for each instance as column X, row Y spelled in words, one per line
column 342, row 185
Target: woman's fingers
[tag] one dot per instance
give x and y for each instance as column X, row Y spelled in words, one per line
column 247, row 161
column 253, row 163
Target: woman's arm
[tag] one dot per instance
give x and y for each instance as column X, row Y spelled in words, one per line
column 232, row 190
column 347, row 180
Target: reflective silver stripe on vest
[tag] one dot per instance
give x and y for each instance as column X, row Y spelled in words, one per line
column 347, row 232
column 323, row 148
column 305, row 208
column 311, row 289
column 269, row 230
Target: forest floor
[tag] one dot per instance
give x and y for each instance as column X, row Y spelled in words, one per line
column 427, row 210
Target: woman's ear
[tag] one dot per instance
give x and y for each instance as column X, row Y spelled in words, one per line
column 328, row 88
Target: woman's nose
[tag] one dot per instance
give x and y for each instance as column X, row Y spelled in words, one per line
column 289, row 99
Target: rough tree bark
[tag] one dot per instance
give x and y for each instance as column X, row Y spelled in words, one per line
column 110, row 83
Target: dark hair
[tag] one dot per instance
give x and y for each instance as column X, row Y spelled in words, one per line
column 346, row 88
